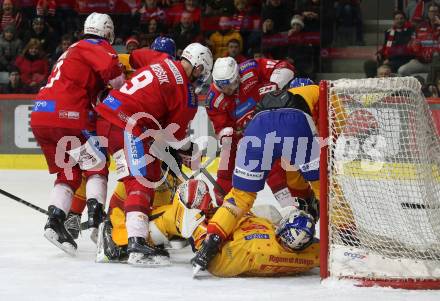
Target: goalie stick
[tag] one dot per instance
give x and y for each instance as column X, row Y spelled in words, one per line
column 84, row 225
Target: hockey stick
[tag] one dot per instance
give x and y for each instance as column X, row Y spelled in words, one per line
column 212, row 180
column 204, row 165
column 84, row 225
column 26, row 203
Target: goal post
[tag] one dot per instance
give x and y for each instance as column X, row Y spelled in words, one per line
column 380, row 184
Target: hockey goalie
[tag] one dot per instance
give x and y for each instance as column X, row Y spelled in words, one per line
column 259, row 247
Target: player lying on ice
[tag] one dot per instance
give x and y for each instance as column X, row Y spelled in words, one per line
column 283, row 129
column 257, row 247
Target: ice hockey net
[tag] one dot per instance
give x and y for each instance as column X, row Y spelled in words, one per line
column 380, row 184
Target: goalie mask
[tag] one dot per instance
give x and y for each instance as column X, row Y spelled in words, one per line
column 296, row 230
column 193, row 202
column 300, row 82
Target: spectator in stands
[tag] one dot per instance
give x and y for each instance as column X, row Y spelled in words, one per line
column 300, row 53
column 219, row 39
column 67, row 17
column 348, row 14
column 27, row 9
column 147, row 10
column 153, row 30
column 175, row 12
column 66, row 41
column 241, row 15
column 278, row 13
column 131, row 44
column 395, row 51
column 384, row 71
column 46, row 8
column 267, row 30
column 218, row 7
column 33, row 65
column 186, row 32
column 15, row 86
column 43, row 34
column 10, row 47
column 417, row 10
column 234, row 51
column 310, row 10
column 424, row 44
column 245, row 19
column 10, row 15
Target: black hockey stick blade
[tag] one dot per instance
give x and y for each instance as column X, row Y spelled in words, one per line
column 213, row 181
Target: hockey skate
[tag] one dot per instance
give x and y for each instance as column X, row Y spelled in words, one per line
column 107, row 250
column 73, row 224
column 143, row 255
column 207, row 252
column 56, row 233
column 96, row 215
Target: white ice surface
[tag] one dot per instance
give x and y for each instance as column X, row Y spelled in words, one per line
column 33, row 269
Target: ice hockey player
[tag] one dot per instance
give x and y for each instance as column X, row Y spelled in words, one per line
column 258, row 248
column 63, row 120
column 164, row 94
column 230, row 106
column 161, row 49
column 281, row 129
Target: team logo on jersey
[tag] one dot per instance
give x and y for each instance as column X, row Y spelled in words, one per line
column 218, row 101
column 267, row 89
column 271, row 64
column 246, row 77
column 256, row 236
column 209, row 98
column 44, row 106
column 178, row 77
column 312, row 165
column 278, row 259
column 112, row 102
column 248, row 175
column 192, row 97
column 249, row 64
column 68, row 115
column 245, row 107
column 135, row 153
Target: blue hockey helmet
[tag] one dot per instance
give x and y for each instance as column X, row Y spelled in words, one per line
column 300, row 82
column 164, row 44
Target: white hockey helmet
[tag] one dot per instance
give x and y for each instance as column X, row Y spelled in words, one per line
column 199, row 55
column 100, row 25
column 225, row 73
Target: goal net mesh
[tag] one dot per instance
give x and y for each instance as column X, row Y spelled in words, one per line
column 384, row 180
